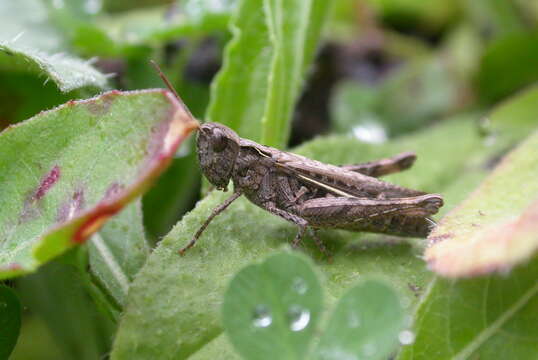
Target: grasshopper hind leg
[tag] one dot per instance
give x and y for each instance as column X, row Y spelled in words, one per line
column 402, row 216
column 383, row 167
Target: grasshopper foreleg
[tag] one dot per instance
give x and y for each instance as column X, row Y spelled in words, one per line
column 214, row 213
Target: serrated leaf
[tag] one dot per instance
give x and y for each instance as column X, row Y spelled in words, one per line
column 275, row 41
column 495, row 228
column 365, row 324
column 67, row 72
column 271, row 310
column 10, row 320
column 173, row 304
column 66, row 171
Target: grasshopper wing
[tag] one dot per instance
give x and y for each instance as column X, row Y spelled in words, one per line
column 337, row 180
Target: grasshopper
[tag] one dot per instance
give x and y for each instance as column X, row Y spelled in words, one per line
column 309, row 193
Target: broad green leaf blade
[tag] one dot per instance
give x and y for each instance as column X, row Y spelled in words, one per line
column 173, row 304
column 271, row 310
column 218, row 348
column 264, row 66
column 67, row 72
column 18, row 91
column 27, row 21
column 498, row 18
column 492, row 317
column 118, row 251
column 495, row 228
column 365, row 324
column 512, row 54
column 57, row 295
column 294, row 31
column 10, row 320
column 514, row 118
column 66, row 171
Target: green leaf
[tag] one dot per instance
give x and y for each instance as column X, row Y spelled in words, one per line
column 495, row 228
column 67, row 72
column 118, row 251
column 29, row 23
column 123, row 32
column 57, row 294
column 271, row 310
column 10, row 320
column 431, row 15
column 353, row 108
column 514, row 118
column 481, row 216
column 492, row 317
column 365, row 324
column 275, row 41
column 511, row 55
column 173, row 304
column 422, row 90
column 19, row 104
column 174, row 193
column 78, row 165
column 218, row 348
column 494, row 18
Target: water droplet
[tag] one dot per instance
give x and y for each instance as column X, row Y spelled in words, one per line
column 490, row 140
column 262, row 316
column 406, row 337
column 370, row 132
column 3, row 305
column 93, row 6
column 58, row 4
column 336, row 354
column 405, row 302
column 354, row 320
column 299, row 286
column 298, row 318
column 369, row 349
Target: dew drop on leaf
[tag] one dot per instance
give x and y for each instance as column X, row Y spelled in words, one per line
column 262, row 316
column 405, row 302
column 369, row 349
column 406, row 337
column 371, row 132
column 58, row 4
column 337, row 354
column 93, row 6
column 354, row 320
column 298, row 318
column 299, row 286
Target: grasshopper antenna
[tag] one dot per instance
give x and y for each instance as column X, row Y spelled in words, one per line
column 170, row 87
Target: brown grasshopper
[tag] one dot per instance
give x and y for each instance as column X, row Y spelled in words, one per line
column 309, row 193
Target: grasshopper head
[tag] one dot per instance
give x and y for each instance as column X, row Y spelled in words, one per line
column 218, row 147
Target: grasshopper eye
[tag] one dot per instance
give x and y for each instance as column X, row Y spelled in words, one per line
column 219, row 141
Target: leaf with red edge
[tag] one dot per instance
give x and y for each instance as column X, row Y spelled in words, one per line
column 495, row 228
column 66, row 171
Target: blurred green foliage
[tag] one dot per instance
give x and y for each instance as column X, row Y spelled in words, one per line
column 444, row 78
